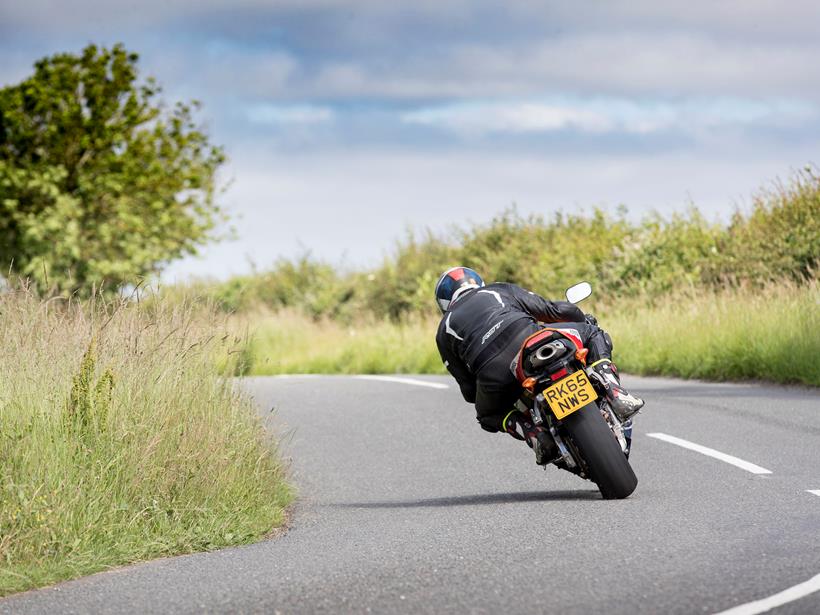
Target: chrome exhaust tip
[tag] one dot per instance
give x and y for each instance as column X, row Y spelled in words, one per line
column 549, row 351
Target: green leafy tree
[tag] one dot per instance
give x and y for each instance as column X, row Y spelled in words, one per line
column 100, row 182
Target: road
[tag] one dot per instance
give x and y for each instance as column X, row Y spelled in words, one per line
column 406, row 506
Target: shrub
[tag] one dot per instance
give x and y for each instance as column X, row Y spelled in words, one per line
column 778, row 239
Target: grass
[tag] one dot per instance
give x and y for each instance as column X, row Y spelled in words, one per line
column 739, row 334
column 288, row 342
column 119, row 442
column 768, row 334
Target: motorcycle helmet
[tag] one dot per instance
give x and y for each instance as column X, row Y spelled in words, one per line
column 453, row 282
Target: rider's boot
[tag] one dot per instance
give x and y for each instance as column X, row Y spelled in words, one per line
column 521, row 427
column 624, row 404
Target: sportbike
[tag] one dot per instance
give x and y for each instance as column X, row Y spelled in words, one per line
column 564, row 396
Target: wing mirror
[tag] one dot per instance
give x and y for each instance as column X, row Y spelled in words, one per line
column 579, row 292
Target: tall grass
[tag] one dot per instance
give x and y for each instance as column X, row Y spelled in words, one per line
column 742, row 333
column 288, row 342
column 119, row 442
column 770, row 333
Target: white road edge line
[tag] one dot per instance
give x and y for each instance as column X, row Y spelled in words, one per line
column 772, row 602
column 413, row 381
column 814, row 491
column 297, row 375
column 710, row 452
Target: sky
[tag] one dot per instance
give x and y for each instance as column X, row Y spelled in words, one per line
column 347, row 123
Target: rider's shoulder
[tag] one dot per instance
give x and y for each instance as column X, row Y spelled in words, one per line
column 497, row 285
column 506, row 287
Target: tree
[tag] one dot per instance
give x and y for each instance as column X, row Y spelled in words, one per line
column 100, row 181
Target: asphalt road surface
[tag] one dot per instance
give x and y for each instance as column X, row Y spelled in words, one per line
column 406, row 506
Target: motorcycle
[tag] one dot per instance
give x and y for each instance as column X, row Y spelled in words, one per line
column 563, row 395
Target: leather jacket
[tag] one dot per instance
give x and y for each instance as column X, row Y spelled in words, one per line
column 483, row 322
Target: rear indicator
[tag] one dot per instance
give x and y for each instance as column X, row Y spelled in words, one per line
column 559, row 374
column 581, row 355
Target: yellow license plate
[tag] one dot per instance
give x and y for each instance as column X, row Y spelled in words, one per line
column 570, row 394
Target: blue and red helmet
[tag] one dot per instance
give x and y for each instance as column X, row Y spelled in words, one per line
column 452, row 282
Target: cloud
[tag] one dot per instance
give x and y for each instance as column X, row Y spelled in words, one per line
column 57, row 14
column 609, row 115
column 289, row 114
column 515, row 117
column 750, row 19
column 337, row 49
column 612, row 63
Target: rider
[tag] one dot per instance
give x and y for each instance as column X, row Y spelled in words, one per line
column 482, row 331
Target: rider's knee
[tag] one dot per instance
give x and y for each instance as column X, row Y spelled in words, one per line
column 600, row 344
column 608, row 341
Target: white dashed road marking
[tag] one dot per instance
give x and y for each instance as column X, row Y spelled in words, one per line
column 413, row 381
column 814, row 491
column 710, row 452
column 772, row 602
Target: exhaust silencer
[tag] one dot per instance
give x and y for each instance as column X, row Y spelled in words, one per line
column 549, row 351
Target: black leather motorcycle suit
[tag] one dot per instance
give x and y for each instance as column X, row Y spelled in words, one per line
column 483, row 330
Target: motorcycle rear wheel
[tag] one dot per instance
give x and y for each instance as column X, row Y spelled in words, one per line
column 608, row 466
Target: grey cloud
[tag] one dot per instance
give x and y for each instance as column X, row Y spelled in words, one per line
column 58, row 15
column 606, row 64
column 757, row 18
column 341, row 49
column 619, row 62
column 746, row 18
column 610, row 62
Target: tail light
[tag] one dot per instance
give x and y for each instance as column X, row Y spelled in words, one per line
column 559, row 374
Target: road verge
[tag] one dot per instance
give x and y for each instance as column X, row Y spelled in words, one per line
column 120, row 442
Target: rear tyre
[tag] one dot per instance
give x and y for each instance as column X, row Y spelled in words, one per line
column 608, row 466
